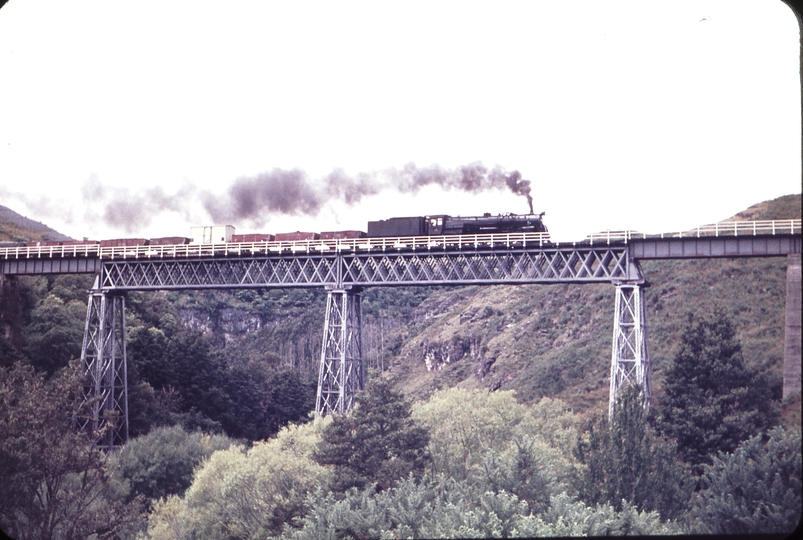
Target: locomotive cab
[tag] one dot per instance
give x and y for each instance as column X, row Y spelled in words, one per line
column 436, row 225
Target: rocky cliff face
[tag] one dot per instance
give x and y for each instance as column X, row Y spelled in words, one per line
column 222, row 326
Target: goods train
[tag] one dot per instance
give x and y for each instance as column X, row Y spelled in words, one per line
column 433, row 225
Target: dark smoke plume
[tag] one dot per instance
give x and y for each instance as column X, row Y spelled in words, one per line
column 515, row 183
column 292, row 192
column 252, row 200
column 285, row 192
column 472, row 178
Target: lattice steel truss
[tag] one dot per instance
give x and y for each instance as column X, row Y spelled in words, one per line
column 542, row 266
column 103, row 356
column 290, row 271
column 342, row 372
column 630, row 359
column 565, row 265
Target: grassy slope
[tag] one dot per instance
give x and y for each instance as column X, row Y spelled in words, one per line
column 556, row 340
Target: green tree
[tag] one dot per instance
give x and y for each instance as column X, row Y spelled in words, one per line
column 8, row 353
column 567, row 517
column 526, row 469
column 55, row 483
column 625, row 460
column 470, row 427
column 713, row 400
column 55, row 333
column 378, row 441
column 71, row 287
column 162, row 462
column 756, row 489
column 264, row 400
column 179, row 377
column 146, row 348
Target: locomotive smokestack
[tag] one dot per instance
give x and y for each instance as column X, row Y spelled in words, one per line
column 514, row 182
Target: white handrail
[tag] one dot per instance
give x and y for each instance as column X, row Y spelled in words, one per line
column 727, row 228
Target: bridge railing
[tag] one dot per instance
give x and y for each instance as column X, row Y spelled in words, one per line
column 379, row 244
column 49, row 251
column 724, row 228
column 327, row 246
column 373, row 244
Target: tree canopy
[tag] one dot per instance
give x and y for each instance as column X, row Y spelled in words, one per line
column 378, row 441
column 713, row 400
column 626, row 460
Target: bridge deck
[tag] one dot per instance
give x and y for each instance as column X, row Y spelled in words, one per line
column 484, row 258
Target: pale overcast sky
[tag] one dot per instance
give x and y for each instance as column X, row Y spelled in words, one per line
column 144, row 118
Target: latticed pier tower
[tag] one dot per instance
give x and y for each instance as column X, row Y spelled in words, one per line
column 342, row 371
column 630, row 357
column 104, row 358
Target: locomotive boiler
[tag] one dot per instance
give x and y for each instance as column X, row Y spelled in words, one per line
column 448, row 225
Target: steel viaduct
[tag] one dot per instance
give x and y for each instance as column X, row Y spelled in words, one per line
column 345, row 267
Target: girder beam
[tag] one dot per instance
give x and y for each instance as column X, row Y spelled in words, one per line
column 714, row 247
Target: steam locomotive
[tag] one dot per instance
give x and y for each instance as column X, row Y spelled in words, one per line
column 447, row 225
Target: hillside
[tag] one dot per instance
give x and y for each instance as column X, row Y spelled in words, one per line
column 17, row 228
column 784, row 207
column 555, row 340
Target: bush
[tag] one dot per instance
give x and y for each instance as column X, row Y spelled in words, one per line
column 378, row 441
column 756, row 489
column 468, row 427
column 162, row 462
column 246, row 494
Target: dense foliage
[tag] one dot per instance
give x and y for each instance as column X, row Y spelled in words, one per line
column 243, row 493
column 490, row 441
column 756, row 489
column 441, row 507
column 162, row 462
column 56, row 485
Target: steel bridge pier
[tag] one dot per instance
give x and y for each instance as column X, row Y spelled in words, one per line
column 342, row 371
column 630, row 357
column 103, row 356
